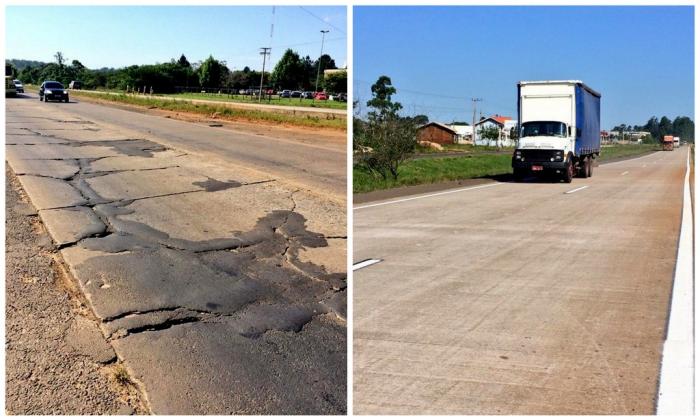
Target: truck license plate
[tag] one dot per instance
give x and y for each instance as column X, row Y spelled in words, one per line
column 537, row 167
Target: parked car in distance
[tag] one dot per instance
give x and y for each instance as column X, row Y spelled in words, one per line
column 52, row 90
column 321, row 96
column 19, row 87
column 307, row 95
column 296, row 94
column 75, row 84
column 286, row 94
column 241, row 92
column 341, row 97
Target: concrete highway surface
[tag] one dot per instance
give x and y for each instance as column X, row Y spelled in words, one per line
column 519, row 298
column 213, row 261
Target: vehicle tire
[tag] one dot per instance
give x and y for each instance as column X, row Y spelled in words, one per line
column 590, row 167
column 66, row 101
column 518, row 175
column 569, row 174
column 586, row 167
column 41, row 98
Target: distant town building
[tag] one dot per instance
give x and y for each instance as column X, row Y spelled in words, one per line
column 435, row 132
column 503, row 124
column 464, row 133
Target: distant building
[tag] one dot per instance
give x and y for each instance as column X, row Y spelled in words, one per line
column 435, row 132
column 503, row 124
column 464, row 133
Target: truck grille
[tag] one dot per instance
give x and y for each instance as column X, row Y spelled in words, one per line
column 536, row 155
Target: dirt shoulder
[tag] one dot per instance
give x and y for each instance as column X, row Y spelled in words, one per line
column 56, row 360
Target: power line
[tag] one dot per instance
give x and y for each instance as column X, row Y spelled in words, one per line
column 322, row 20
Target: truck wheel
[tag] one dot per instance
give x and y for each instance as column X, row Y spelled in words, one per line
column 518, row 175
column 569, row 174
column 585, row 167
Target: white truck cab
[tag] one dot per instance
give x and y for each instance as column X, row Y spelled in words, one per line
column 559, row 128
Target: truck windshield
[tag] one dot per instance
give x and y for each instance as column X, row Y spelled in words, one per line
column 544, row 128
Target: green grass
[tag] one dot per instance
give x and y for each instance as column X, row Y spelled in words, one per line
column 482, row 163
column 251, row 100
column 626, row 150
column 464, row 148
column 222, row 111
column 427, row 171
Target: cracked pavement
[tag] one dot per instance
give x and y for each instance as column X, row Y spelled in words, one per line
column 222, row 289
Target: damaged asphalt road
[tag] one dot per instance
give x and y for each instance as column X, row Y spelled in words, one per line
column 221, row 290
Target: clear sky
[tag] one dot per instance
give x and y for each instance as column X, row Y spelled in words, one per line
column 102, row 36
column 639, row 58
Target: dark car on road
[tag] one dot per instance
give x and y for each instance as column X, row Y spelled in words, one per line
column 52, row 91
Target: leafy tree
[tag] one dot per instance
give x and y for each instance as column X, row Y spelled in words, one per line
column 381, row 102
column 326, row 63
column 183, row 61
column 336, row 82
column 385, row 140
column 420, row 119
column 489, row 133
column 289, row 71
column 59, row 58
column 212, row 72
column 665, row 127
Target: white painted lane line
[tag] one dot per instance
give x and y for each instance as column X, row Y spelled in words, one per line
column 625, row 173
column 576, row 189
column 365, row 263
column 428, row 195
column 676, row 380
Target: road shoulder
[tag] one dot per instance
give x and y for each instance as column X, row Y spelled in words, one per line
column 57, row 361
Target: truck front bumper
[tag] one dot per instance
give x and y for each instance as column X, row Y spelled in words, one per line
column 538, row 160
column 546, row 166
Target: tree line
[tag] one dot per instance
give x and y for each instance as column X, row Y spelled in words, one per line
column 682, row 127
column 291, row 72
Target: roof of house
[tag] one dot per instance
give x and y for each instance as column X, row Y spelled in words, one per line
column 499, row 119
column 443, row 126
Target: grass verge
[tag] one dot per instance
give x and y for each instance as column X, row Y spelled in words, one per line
column 221, row 111
column 251, row 100
column 427, row 171
column 617, row 151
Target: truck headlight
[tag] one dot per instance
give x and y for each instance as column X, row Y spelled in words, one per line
column 47, row 92
column 65, row 92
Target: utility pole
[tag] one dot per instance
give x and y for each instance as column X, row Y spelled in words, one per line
column 318, row 72
column 474, row 101
column 265, row 52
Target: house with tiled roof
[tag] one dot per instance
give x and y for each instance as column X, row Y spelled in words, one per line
column 503, row 124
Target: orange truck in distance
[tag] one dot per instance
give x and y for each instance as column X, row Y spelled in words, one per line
column 668, row 143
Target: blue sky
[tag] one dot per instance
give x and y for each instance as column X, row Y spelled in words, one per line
column 639, row 58
column 119, row 36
